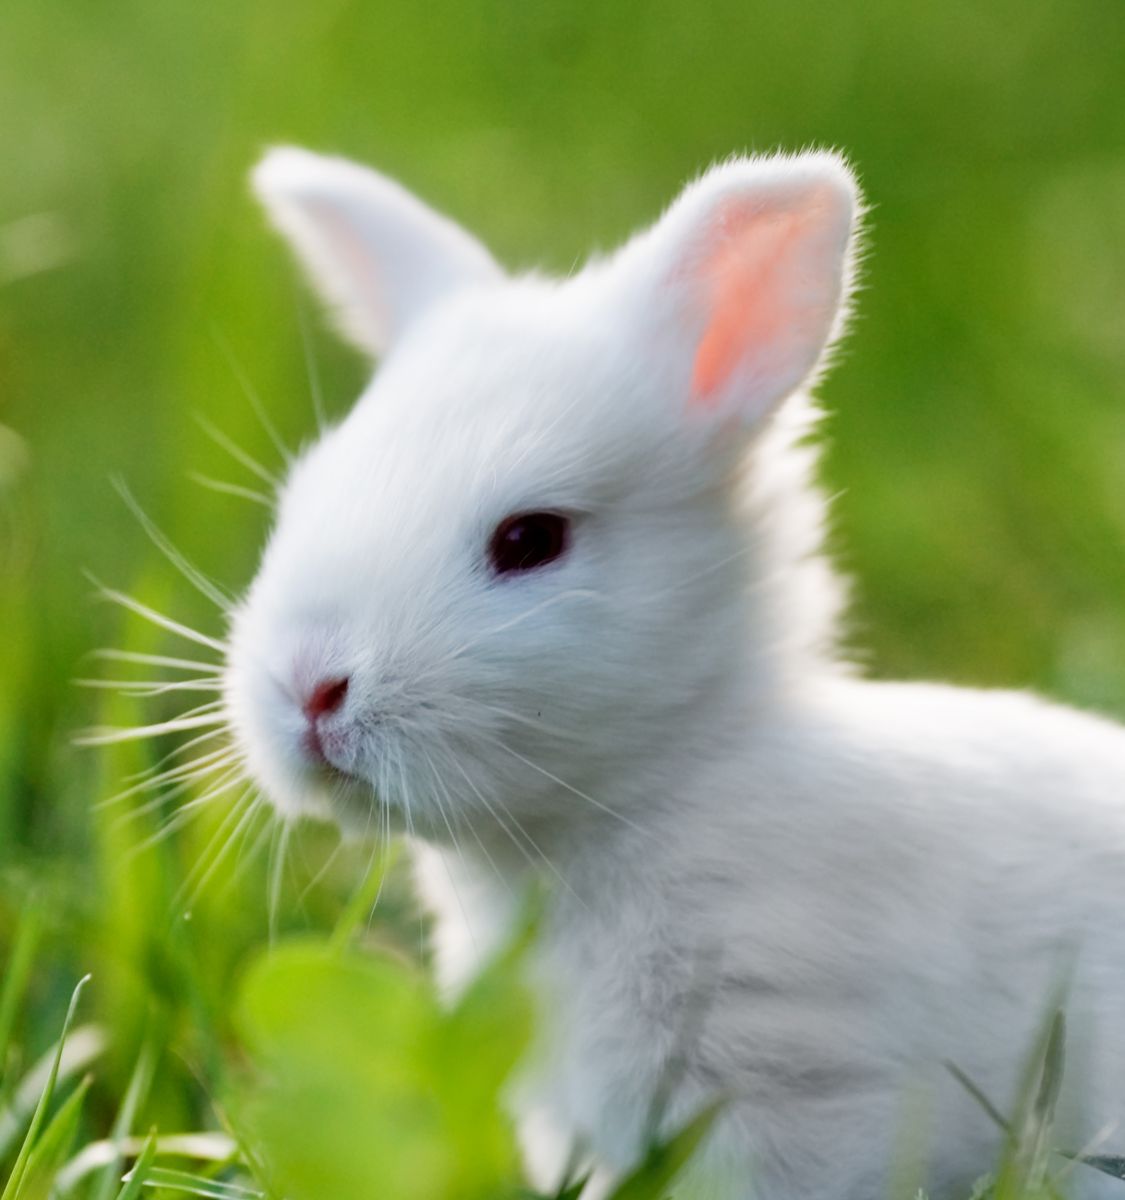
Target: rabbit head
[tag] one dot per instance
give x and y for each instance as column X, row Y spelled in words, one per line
column 528, row 556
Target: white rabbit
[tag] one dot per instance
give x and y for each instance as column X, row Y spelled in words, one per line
column 552, row 594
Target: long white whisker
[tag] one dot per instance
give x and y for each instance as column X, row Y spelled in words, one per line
column 236, row 452
column 152, row 781
column 379, row 843
column 224, row 488
column 211, row 706
column 277, row 877
column 111, row 735
column 557, row 598
column 377, row 846
column 150, row 614
column 141, row 689
column 530, row 722
column 444, row 817
column 177, row 558
column 249, row 850
column 523, row 833
column 573, row 790
column 251, row 394
column 310, row 366
column 444, row 859
column 170, row 786
column 156, row 660
column 232, row 777
column 469, row 825
column 179, row 751
column 323, row 869
column 225, row 836
column 177, row 820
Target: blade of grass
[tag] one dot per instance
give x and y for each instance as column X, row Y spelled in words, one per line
column 138, row 1176
column 665, row 1160
column 135, row 1096
column 212, row 1147
column 78, row 1052
column 55, row 1143
column 363, row 899
column 1109, row 1164
column 978, row 1095
column 18, row 971
column 198, row 1185
column 15, row 1180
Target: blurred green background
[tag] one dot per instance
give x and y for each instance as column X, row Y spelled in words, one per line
column 977, row 431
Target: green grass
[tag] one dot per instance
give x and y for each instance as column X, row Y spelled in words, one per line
column 977, row 423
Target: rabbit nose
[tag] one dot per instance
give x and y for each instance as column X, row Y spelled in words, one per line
column 325, row 698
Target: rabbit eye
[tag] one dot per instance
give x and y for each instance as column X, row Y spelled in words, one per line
column 528, row 540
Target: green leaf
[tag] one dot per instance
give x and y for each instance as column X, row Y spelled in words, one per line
column 363, row 1085
column 573, row 1188
column 341, row 1105
column 665, row 1160
column 1024, row 1167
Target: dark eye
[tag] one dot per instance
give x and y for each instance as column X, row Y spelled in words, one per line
column 528, row 540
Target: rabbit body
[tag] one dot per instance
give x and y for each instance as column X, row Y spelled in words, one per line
column 874, row 880
column 772, row 882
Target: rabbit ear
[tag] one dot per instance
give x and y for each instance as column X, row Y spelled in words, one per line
column 741, row 286
column 376, row 253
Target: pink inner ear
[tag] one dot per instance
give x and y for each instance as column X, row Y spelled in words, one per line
column 754, row 281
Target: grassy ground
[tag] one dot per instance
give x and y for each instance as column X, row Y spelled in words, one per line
column 977, row 430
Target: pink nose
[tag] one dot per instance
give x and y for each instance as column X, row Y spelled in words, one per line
column 325, row 698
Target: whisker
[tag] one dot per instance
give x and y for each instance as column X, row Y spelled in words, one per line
column 175, row 753
column 377, row 849
column 324, row 868
column 445, row 819
column 113, row 734
column 523, row 833
column 557, row 598
column 233, row 832
column 211, row 706
column 181, row 817
column 154, row 777
column 469, row 825
column 236, row 452
column 232, row 773
column 573, row 790
column 176, row 780
column 143, row 689
column 277, row 876
column 530, row 722
column 251, row 394
column 230, row 489
column 249, row 850
column 150, row 806
column 155, row 660
column 225, row 836
column 150, row 614
column 444, row 860
column 311, row 371
column 206, row 587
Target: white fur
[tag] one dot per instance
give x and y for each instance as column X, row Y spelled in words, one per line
column 781, row 884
